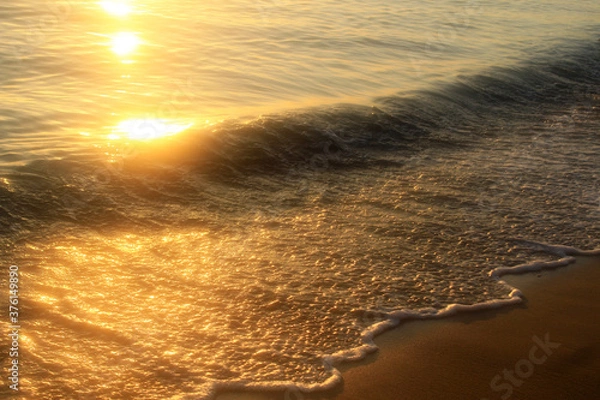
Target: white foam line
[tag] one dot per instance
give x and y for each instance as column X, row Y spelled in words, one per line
column 559, row 250
column 277, row 386
column 397, row 317
column 566, row 252
column 532, row 267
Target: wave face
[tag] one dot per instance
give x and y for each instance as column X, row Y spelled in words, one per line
column 255, row 254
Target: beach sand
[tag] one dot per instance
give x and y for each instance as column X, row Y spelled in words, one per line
column 547, row 347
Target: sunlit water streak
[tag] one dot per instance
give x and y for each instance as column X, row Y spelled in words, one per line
column 171, row 237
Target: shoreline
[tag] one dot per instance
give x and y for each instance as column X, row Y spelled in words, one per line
column 544, row 347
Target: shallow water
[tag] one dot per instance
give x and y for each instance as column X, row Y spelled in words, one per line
column 246, row 187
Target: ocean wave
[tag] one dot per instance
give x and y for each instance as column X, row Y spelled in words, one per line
column 346, row 135
column 284, row 146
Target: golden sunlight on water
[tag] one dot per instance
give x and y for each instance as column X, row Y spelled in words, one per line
column 147, row 129
column 116, row 8
column 125, row 43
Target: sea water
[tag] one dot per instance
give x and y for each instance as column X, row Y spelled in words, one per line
column 201, row 195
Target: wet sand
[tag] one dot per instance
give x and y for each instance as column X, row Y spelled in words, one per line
column 547, row 347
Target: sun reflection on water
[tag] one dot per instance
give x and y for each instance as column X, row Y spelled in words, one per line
column 147, row 129
column 116, row 8
column 125, row 43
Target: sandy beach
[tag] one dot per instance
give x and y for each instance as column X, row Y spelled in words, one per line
column 547, row 347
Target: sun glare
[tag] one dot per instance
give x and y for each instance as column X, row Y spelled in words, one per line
column 147, row 129
column 116, row 8
column 124, row 43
